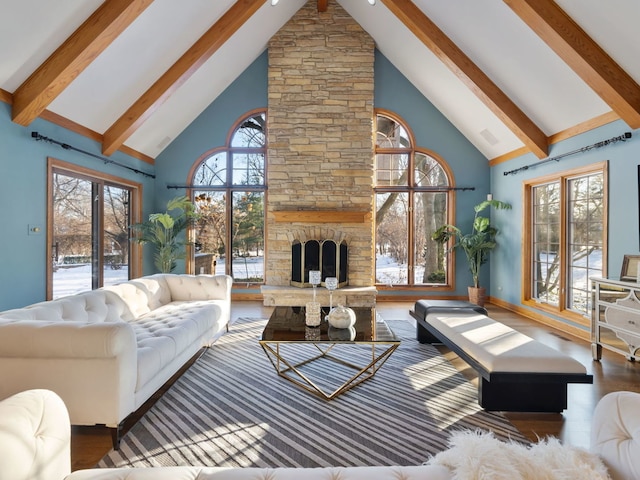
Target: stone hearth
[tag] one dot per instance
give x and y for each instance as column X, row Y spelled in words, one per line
column 294, row 296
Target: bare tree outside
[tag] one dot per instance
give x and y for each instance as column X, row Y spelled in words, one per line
column 230, row 202
column 116, row 227
column 80, row 207
column 72, row 207
column 411, row 203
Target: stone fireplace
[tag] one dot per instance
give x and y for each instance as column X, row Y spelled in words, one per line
column 320, row 141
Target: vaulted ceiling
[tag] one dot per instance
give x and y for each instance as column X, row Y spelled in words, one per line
column 513, row 76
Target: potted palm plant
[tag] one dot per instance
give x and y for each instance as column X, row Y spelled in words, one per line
column 163, row 231
column 476, row 244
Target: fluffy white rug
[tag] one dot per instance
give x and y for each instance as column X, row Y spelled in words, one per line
column 480, row 456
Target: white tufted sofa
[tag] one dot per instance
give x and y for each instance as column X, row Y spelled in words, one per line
column 106, row 351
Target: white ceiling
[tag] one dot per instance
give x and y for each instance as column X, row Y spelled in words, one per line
column 487, row 31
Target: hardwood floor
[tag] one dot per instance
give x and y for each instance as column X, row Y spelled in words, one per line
column 573, row 426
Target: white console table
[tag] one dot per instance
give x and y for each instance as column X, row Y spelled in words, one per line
column 615, row 320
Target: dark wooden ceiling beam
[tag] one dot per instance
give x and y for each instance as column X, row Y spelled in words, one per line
column 471, row 75
column 178, row 74
column 323, row 5
column 583, row 55
column 90, row 39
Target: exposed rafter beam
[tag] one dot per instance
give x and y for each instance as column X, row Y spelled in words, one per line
column 73, row 56
column 178, row 73
column 583, row 55
column 474, row 78
column 322, row 5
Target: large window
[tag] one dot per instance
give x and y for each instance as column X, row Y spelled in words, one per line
column 567, row 238
column 229, row 193
column 89, row 218
column 412, row 198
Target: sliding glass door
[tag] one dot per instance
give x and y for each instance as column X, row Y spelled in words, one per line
column 88, row 230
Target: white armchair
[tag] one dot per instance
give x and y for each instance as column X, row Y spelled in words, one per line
column 34, row 437
column 615, row 434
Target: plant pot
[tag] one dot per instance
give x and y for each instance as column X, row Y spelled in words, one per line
column 477, row 295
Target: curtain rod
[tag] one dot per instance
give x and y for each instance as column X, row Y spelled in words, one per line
column 435, row 188
column 66, row 146
column 217, row 187
column 620, row 138
column 260, row 187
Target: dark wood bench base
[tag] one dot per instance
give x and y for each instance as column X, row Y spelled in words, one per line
column 529, row 395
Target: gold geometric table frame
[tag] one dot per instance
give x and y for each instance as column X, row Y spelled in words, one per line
column 291, row 371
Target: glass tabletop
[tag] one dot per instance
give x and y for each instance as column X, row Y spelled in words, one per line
column 287, row 324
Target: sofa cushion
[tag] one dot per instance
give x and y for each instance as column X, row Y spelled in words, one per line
column 141, row 296
column 166, row 332
column 498, row 347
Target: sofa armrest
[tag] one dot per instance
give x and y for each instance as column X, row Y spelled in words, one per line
column 34, row 437
column 615, row 434
column 91, row 366
column 47, row 339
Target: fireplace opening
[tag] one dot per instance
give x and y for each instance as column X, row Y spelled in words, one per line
column 327, row 256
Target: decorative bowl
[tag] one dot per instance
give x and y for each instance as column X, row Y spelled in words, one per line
column 341, row 317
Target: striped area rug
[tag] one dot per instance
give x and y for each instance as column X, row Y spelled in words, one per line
column 231, row 409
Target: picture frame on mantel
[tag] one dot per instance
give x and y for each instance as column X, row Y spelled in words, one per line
column 630, row 264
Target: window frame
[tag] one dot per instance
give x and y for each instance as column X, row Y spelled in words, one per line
column 528, row 278
column 412, row 189
column 229, row 188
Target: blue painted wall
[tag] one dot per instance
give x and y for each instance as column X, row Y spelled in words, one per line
column 23, row 191
column 623, row 158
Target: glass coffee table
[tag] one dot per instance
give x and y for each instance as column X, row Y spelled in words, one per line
column 324, row 360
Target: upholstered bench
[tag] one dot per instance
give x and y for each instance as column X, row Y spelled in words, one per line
column 517, row 373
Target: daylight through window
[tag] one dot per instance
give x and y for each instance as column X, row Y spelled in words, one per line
column 229, row 194
column 412, row 200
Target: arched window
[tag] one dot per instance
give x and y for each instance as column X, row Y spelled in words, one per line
column 412, row 198
column 229, row 193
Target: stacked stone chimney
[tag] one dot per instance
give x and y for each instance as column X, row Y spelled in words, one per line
column 320, row 138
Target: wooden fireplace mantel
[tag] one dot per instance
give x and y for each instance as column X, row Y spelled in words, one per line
column 321, row 216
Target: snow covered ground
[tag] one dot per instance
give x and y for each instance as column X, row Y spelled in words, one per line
column 77, row 278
